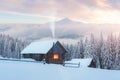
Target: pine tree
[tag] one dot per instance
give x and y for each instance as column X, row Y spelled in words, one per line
column 10, row 47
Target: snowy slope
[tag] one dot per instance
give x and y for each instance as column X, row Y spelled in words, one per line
column 14, row 70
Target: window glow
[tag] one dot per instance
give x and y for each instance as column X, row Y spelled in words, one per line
column 56, row 56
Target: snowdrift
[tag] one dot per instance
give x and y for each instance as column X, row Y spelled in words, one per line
column 79, row 62
column 15, row 70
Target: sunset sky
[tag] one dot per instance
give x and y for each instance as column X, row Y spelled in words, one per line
column 42, row 11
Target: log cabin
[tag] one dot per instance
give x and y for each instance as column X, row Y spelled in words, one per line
column 51, row 51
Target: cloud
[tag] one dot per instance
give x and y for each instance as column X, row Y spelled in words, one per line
column 70, row 29
column 49, row 17
column 88, row 11
column 114, row 3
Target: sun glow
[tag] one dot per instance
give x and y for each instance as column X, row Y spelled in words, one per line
column 102, row 17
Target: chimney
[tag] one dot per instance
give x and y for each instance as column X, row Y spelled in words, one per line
column 53, row 47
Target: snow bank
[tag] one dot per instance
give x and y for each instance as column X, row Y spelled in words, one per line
column 83, row 62
column 1, row 56
column 13, row 59
column 28, row 59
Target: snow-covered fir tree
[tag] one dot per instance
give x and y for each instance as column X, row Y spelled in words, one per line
column 10, row 47
column 105, row 52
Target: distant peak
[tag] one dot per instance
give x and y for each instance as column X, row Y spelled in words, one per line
column 67, row 20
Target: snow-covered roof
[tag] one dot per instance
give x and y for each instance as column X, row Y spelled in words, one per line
column 39, row 47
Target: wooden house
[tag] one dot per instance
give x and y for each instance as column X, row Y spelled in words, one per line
column 51, row 51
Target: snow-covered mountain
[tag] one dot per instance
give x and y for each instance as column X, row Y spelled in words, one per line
column 67, row 21
column 64, row 28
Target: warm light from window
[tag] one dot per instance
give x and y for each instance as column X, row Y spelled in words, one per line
column 56, row 56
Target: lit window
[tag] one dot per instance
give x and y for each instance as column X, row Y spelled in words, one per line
column 56, row 56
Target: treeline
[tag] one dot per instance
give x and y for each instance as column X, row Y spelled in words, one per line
column 104, row 51
column 11, row 47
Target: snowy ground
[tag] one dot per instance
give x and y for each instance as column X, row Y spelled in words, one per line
column 14, row 70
